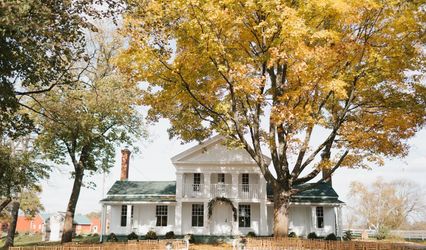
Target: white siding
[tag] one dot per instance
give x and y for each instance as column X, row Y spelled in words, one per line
column 300, row 221
column 255, row 220
column 187, row 221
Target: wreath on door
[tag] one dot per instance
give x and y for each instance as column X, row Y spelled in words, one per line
column 224, row 200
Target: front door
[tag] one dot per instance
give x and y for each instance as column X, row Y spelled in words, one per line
column 221, row 221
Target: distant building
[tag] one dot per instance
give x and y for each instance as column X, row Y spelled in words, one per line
column 54, row 225
column 26, row 225
column 30, row 225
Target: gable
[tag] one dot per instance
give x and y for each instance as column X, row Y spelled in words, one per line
column 213, row 151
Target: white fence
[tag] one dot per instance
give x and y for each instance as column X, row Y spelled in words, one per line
column 406, row 234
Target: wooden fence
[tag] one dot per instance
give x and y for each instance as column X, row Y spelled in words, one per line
column 140, row 245
column 406, row 234
column 301, row 244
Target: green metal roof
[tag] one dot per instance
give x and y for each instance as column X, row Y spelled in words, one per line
column 143, row 188
column 147, row 191
column 312, row 192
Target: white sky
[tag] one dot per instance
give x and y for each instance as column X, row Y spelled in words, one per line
column 153, row 163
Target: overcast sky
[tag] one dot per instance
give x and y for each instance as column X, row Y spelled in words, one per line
column 153, row 163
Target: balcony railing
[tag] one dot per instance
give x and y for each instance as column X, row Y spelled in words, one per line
column 245, row 191
column 248, row 191
column 193, row 190
column 221, row 190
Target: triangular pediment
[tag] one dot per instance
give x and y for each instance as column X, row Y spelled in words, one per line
column 214, row 151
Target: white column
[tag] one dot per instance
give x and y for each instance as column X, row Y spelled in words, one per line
column 262, row 187
column 234, row 185
column 129, row 219
column 314, row 221
column 179, row 185
column 207, row 193
column 339, row 222
column 103, row 221
column 178, row 218
column 263, row 230
column 235, row 230
column 206, row 218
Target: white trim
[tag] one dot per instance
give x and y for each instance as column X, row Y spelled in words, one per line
column 136, row 202
column 269, row 203
column 176, row 159
column 141, row 195
column 196, row 148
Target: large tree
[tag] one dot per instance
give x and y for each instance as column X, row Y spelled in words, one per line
column 271, row 75
column 81, row 125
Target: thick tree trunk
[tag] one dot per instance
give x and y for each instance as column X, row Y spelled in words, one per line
column 281, row 211
column 5, row 203
column 12, row 227
column 72, row 204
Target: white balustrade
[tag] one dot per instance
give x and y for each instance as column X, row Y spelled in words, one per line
column 245, row 191
column 194, row 190
column 221, row 190
column 248, row 191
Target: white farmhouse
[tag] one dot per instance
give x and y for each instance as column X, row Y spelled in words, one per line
column 218, row 191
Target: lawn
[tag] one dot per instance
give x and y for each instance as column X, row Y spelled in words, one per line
column 32, row 240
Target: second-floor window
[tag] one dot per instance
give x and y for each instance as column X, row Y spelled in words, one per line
column 320, row 217
column 244, row 215
column 197, row 215
column 197, row 182
column 221, row 178
column 161, row 214
column 245, row 182
column 123, row 221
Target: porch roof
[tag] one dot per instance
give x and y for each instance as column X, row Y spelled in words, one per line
column 312, row 193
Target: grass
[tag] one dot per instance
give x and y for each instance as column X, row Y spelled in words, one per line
column 34, row 240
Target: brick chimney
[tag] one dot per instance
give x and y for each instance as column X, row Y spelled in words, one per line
column 125, row 157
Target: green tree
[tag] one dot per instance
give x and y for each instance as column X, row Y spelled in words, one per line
column 20, row 169
column 39, row 42
column 84, row 123
column 272, row 75
column 29, row 203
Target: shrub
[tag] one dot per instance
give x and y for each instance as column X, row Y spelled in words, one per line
column 151, row 235
column 292, row 235
column 312, row 236
column 170, row 235
column 251, row 234
column 132, row 236
column 348, row 235
column 95, row 235
column 382, row 233
column 190, row 238
column 331, row 237
column 112, row 237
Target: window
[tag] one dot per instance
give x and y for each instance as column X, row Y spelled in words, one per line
column 245, row 182
column 197, row 182
column 197, row 215
column 161, row 213
column 123, row 215
column 244, row 215
column 320, row 217
column 221, row 178
column 131, row 215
